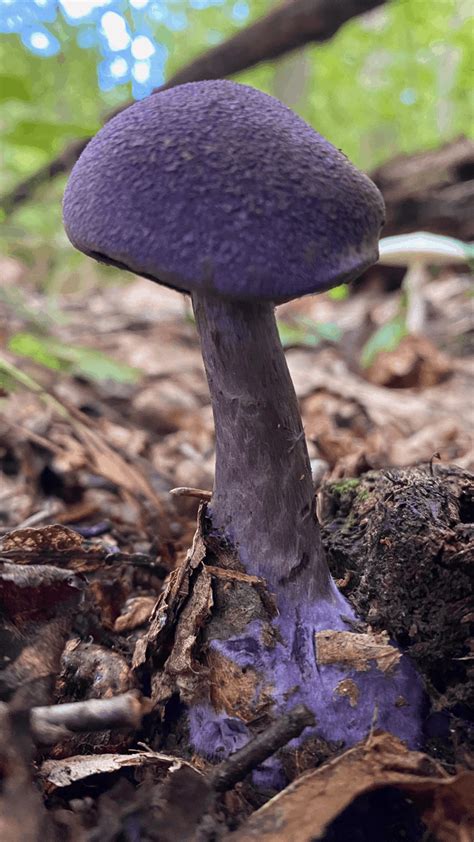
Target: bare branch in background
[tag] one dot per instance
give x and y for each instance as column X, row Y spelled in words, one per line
column 291, row 25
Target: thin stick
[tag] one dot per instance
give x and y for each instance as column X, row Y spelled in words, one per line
column 184, row 491
column 243, row 761
column 52, row 723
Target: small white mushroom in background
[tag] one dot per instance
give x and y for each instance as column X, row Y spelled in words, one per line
column 418, row 251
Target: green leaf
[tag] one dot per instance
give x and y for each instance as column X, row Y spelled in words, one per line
column 339, row 293
column 328, row 331
column 42, row 134
column 386, row 338
column 295, row 335
column 97, row 366
column 58, row 356
column 306, row 332
column 14, row 87
column 8, row 383
column 36, row 349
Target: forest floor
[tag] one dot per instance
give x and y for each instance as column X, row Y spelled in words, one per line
column 98, row 459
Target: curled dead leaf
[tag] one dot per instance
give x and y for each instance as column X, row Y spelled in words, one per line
column 57, row 774
column 181, row 673
column 170, row 603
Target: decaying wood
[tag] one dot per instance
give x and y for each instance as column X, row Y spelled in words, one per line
column 406, row 538
column 431, row 190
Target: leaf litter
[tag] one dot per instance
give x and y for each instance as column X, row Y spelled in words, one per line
column 104, row 603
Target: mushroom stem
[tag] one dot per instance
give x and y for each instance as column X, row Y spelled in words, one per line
column 263, row 500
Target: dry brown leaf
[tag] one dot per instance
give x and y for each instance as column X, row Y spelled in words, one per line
column 304, row 811
column 356, row 650
column 170, row 602
column 180, row 672
column 52, row 538
column 433, row 438
column 408, row 410
column 136, row 613
column 164, row 405
column 61, row 773
column 179, row 615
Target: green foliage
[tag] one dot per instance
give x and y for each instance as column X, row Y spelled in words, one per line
column 86, row 362
column 343, row 486
column 339, row 293
column 14, row 88
column 386, row 338
column 304, row 331
column 43, row 134
column 395, row 80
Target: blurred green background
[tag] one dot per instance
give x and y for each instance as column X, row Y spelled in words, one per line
column 394, row 80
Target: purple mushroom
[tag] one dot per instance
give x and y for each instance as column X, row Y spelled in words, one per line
column 220, row 191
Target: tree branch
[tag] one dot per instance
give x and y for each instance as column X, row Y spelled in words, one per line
column 238, row 765
column 289, row 26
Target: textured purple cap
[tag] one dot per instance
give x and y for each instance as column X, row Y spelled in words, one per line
column 215, row 186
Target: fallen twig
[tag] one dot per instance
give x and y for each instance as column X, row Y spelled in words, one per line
column 53, row 723
column 243, row 761
column 184, row 491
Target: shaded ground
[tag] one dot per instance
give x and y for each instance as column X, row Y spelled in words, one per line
column 98, row 459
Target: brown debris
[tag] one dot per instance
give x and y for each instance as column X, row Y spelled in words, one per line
column 38, row 605
column 348, row 689
column 23, row 817
column 92, row 672
column 416, row 363
column 48, row 539
column 231, row 689
column 62, row 773
column 29, row 677
column 307, row 807
column 356, row 650
column 136, row 612
column 181, row 672
column 170, row 604
column 57, row 722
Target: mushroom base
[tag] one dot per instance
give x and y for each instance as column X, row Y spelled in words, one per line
column 262, row 520
column 308, row 654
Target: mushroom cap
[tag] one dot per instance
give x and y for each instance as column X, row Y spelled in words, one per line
column 217, row 187
column 425, row 248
